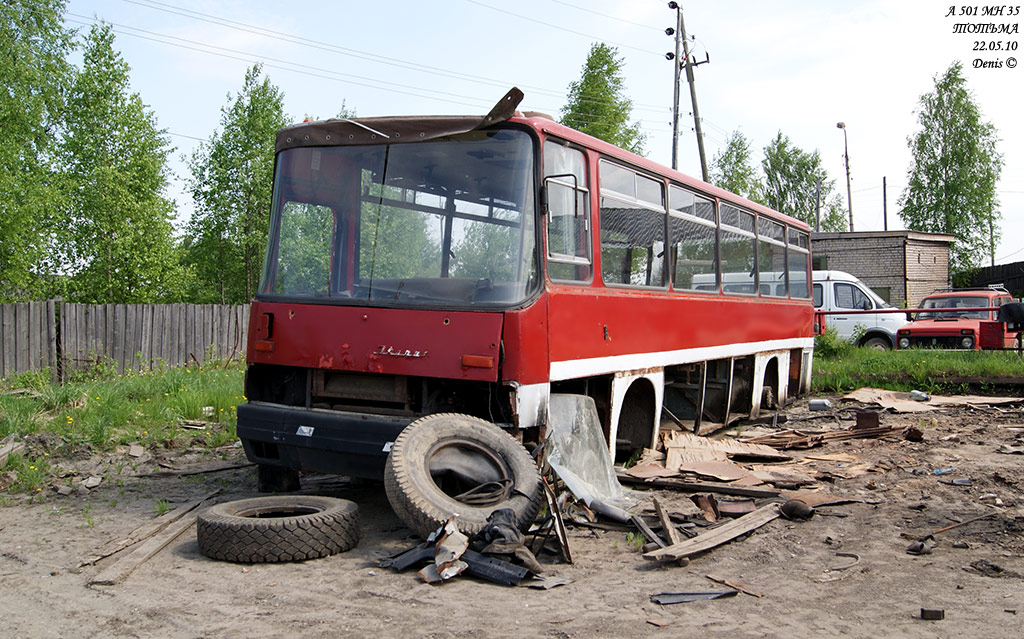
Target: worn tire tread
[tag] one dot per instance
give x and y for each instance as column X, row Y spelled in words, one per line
column 424, row 509
column 226, row 535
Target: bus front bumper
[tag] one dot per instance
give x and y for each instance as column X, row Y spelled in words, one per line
column 317, row 440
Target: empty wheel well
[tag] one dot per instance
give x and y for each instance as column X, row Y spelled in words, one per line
column 636, row 420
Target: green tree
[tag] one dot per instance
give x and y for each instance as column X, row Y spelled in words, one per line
column 791, row 177
column 34, row 76
column 231, row 184
column 951, row 183
column 597, row 103
column 120, row 246
column 732, row 168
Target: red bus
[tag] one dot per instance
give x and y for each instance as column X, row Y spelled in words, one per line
column 476, row 266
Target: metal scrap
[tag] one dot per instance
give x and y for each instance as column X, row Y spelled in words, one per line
column 666, row 598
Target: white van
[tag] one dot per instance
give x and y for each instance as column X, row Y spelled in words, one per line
column 839, row 291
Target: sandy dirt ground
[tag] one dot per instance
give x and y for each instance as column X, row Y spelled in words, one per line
column 974, row 573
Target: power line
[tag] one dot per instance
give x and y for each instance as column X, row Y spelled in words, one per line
column 561, row 28
column 363, row 55
column 605, row 15
column 254, row 58
column 287, row 65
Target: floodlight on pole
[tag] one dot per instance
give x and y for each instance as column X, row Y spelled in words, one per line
column 846, row 157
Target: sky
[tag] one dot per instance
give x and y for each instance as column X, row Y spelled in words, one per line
column 792, row 66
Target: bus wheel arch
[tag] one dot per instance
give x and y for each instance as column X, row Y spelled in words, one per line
column 635, row 415
column 771, row 387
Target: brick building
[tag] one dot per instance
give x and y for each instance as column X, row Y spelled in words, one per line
column 901, row 266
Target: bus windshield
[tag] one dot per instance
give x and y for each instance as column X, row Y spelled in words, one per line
column 444, row 222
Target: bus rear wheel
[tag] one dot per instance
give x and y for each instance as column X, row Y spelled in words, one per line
column 450, row 464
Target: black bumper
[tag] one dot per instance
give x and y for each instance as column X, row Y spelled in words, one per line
column 317, row 440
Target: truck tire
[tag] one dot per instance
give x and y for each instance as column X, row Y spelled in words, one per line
column 278, row 528
column 450, row 464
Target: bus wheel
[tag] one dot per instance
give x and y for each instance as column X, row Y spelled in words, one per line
column 278, row 528
column 450, row 464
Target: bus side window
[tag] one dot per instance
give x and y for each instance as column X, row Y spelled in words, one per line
column 568, row 223
column 632, row 224
column 692, row 236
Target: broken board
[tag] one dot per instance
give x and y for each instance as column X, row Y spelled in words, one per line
column 717, row 536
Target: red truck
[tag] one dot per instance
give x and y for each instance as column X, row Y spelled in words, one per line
column 966, row 319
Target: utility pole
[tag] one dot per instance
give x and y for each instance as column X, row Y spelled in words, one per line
column 680, row 33
column 846, row 156
column 817, row 206
column 675, row 89
column 885, row 208
column 693, row 99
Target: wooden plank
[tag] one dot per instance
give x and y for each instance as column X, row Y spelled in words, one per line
column 158, row 336
column 147, row 530
column 119, row 570
column 99, row 349
column 188, row 322
column 79, row 318
column 644, row 529
column 207, row 330
column 108, row 331
column 35, row 335
column 5, row 342
column 8, row 446
column 21, row 362
column 51, row 340
column 223, row 345
column 716, row 536
column 681, row 447
column 182, row 321
column 666, row 524
column 67, row 339
column 146, row 343
column 702, row 486
column 244, row 342
column 130, row 346
column 170, row 341
column 142, row 364
column 167, row 310
column 116, row 344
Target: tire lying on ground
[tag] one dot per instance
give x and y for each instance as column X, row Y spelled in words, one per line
column 278, row 528
column 451, row 464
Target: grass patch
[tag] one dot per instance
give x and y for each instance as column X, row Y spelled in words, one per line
column 933, row 371
column 101, row 409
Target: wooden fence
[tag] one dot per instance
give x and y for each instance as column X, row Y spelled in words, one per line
column 66, row 337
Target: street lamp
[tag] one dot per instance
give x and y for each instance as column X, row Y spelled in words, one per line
column 846, row 156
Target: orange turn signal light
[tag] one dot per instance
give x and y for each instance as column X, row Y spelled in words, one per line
column 264, row 346
column 477, row 361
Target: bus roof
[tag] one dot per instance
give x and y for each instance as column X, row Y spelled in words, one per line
column 395, row 129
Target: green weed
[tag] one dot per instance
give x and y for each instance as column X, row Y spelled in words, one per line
column 635, row 540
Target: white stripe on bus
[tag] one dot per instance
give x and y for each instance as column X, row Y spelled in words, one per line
column 577, row 368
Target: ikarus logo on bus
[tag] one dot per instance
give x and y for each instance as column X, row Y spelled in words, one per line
column 391, row 351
